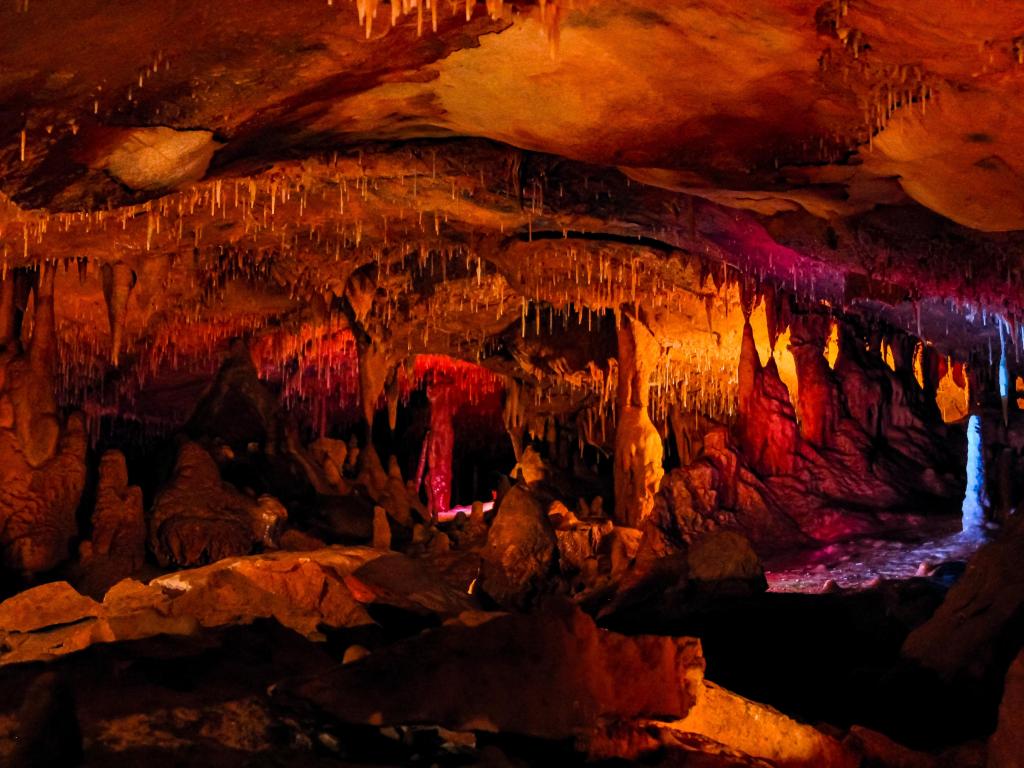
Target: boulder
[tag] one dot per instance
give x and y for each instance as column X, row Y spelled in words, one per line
column 520, row 549
column 1006, row 747
column 304, row 591
column 760, row 731
column 972, row 632
column 721, row 728
column 724, row 556
column 669, row 577
column 553, row 675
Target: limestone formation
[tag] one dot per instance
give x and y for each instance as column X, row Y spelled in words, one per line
column 638, row 449
column 1006, row 747
column 117, row 548
column 42, row 457
column 978, row 623
column 200, row 519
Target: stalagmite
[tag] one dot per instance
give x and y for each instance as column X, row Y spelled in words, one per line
column 42, row 466
column 975, row 501
column 638, row 448
column 1004, row 374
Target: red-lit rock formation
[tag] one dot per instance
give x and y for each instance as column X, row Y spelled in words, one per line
column 768, row 433
column 440, row 444
column 817, row 407
column 857, row 444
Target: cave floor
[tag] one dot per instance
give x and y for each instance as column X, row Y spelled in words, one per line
column 860, row 562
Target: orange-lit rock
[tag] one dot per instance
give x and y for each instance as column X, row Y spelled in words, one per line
column 520, row 551
column 760, row 731
column 303, row 591
column 638, row 449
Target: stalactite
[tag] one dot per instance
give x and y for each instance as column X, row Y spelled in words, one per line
column 118, row 281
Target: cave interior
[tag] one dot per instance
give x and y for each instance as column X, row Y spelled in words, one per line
column 491, row 383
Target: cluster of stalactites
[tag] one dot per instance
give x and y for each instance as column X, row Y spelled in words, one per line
column 367, row 10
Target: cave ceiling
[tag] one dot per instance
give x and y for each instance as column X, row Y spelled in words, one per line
column 463, row 179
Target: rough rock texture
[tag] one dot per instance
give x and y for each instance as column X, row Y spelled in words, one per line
column 381, row 529
column 520, row 549
column 198, row 518
column 977, row 628
column 719, row 491
column 303, row 591
column 118, row 545
column 1006, row 747
column 750, row 731
column 238, row 408
column 42, row 461
column 878, row 749
column 553, row 674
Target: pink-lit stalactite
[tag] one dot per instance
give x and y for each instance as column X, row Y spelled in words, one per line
column 440, row 442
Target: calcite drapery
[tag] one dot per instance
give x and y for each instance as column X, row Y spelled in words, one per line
column 42, row 464
column 817, row 408
column 638, row 449
column 767, row 423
